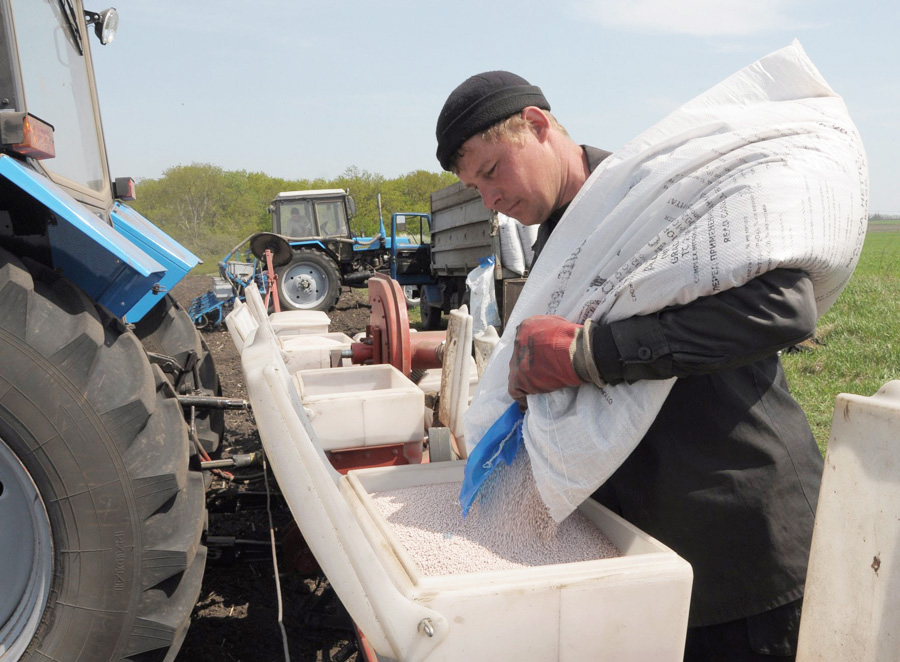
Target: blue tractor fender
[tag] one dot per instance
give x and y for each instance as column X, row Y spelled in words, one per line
column 318, row 245
column 126, row 266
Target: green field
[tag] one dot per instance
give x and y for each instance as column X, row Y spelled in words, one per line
column 860, row 336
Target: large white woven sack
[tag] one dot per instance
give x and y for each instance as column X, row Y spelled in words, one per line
column 511, row 254
column 527, row 237
column 764, row 170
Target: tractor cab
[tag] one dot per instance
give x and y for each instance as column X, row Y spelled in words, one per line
column 321, row 213
column 48, row 97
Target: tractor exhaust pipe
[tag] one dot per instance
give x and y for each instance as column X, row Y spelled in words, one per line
column 357, row 277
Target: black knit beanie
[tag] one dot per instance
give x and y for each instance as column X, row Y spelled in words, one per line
column 477, row 104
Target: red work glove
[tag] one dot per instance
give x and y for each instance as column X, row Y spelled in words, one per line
column 542, row 356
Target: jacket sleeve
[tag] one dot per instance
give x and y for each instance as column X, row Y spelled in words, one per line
column 730, row 329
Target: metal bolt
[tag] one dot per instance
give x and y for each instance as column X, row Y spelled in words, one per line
column 426, row 626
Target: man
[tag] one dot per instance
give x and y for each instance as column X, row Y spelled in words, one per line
column 300, row 225
column 728, row 474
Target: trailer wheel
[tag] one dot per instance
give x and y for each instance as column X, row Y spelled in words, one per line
column 412, row 295
column 431, row 315
column 310, row 282
column 167, row 330
column 106, row 561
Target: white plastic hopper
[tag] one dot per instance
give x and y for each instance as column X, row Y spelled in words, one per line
column 631, row 607
column 852, row 601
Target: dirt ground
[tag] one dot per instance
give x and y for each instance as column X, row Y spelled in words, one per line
column 236, row 616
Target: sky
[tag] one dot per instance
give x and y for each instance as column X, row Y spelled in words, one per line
column 305, row 89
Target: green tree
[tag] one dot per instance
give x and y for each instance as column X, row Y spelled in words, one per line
column 187, row 201
column 417, row 187
column 364, row 186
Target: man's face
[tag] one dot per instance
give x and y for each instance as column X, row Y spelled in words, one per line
column 519, row 180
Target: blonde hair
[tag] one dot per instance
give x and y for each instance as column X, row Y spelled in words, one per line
column 512, row 129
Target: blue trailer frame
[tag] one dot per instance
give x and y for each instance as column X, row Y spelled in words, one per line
column 237, row 271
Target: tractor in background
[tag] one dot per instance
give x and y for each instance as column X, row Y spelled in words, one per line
column 324, row 256
column 327, row 254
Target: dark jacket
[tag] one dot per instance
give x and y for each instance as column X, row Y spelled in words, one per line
column 728, row 474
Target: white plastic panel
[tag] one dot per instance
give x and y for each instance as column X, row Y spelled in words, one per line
column 852, row 602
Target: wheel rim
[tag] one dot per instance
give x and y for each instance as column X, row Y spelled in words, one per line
column 411, row 293
column 305, row 284
column 26, row 559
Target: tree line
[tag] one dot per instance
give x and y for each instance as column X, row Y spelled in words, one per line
column 210, row 210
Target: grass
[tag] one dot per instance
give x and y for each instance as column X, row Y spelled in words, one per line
column 860, row 336
column 415, row 317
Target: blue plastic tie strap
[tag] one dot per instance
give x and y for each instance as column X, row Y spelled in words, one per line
column 500, row 442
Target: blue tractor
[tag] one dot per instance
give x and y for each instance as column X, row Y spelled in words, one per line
column 102, row 496
column 318, row 255
column 326, row 253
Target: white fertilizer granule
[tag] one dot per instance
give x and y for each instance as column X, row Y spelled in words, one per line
column 508, row 527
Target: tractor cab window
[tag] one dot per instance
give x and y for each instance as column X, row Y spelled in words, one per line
column 58, row 90
column 415, row 228
column 297, row 220
column 332, row 219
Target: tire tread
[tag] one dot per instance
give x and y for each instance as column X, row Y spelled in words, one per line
column 114, row 407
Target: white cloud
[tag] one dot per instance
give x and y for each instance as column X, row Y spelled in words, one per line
column 693, row 17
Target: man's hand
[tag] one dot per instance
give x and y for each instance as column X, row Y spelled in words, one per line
column 542, row 356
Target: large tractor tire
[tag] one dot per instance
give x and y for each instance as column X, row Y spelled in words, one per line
column 311, row 281
column 168, row 331
column 102, row 519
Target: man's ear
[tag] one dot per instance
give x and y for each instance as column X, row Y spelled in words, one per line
column 538, row 122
